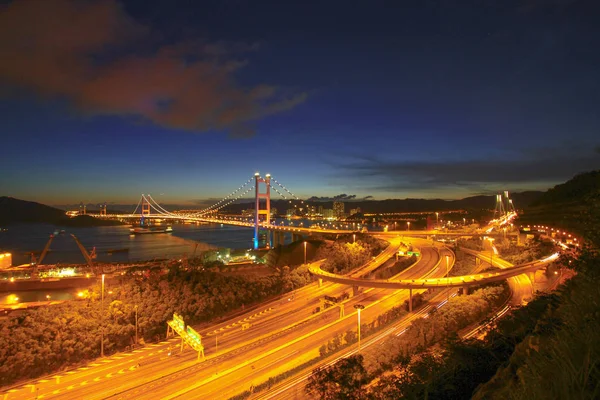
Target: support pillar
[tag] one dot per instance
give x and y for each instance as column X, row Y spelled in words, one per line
column 275, row 239
column 281, row 238
column 257, row 210
column 531, row 276
column 320, row 282
column 355, row 291
column 409, row 300
column 477, row 261
column 465, row 290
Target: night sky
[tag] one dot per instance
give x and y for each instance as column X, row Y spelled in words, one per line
column 101, row 101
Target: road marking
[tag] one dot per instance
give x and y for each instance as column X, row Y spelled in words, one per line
column 122, row 371
column 140, row 357
column 109, row 375
column 71, row 372
column 151, row 354
column 96, row 379
column 83, row 383
column 57, row 391
column 161, row 350
column 107, row 360
column 13, row 390
column 138, row 351
column 41, row 396
column 83, row 368
column 117, row 358
column 70, row 387
column 132, row 368
column 95, row 365
column 43, row 380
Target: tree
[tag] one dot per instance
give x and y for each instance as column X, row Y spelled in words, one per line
column 342, row 381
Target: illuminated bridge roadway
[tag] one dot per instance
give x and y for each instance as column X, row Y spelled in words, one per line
column 464, row 281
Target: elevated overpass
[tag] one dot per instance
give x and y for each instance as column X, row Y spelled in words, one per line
column 464, row 281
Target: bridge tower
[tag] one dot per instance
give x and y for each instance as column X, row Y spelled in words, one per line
column 257, row 210
column 145, row 209
column 508, row 201
column 103, row 209
column 499, row 206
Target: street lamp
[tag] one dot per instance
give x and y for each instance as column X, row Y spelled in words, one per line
column 437, row 220
column 305, row 252
column 359, row 307
column 136, row 325
column 448, row 273
column 408, row 225
column 354, row 238
column 102, row 320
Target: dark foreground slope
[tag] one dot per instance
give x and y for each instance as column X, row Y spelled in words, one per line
column 14, row 211
column 565, row 205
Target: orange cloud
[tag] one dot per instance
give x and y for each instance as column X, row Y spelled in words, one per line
column 54, row 46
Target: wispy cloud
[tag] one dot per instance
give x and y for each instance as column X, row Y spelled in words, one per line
column 79, row 50
column 528, row 168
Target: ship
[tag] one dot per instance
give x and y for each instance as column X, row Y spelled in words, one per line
column 154, row 229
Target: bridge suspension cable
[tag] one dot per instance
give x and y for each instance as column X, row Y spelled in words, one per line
column 155, row 207
column 138, row 204
column 239, row 196
column 158, row 206
column 284, row 188
column 220, row 204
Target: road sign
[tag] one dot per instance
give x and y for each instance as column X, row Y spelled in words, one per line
column 193, row 335
column 413, row 253
column 178, row 319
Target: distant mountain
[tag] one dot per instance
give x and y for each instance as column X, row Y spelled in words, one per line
column 14, row 211
column 521, row 200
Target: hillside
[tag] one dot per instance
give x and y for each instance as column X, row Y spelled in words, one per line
column 13, row 211
column 565, row 205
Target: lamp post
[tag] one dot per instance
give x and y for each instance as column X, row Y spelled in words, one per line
column 354, row 238
column 359, row 307
column 102, row 320
column 437, row 220
column 136, row 325
column 305, row 252
column 448, row 273
column 408, row 225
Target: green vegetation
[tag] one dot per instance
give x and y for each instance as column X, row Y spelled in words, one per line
column 460, row 312
column 348, row 253
column 533, row 250
column 564, row 206
column 47, row 339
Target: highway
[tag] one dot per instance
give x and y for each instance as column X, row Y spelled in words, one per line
column 294, row 312
column 270, row 345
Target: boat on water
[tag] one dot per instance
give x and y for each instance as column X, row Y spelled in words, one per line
column 123, row 250
column 152, row 229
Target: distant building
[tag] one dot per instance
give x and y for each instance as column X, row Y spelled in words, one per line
column 355, row 211
column 328, row 213
column 320, row 210
column 273, row 211
column 248, row 212
column 5, row 260
column 290, row 212
column 338, row 208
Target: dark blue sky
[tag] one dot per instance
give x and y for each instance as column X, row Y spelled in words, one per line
column 103, row 101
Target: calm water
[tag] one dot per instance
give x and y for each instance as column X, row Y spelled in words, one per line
column 21, row 240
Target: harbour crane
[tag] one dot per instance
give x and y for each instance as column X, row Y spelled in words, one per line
column 89, row 257
column 34, row 262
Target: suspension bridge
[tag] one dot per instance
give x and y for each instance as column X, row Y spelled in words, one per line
column 148, row 208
